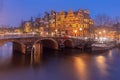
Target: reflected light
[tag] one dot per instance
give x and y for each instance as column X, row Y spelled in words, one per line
column 100, row 61
column 5, row 54
column 5, row 45
column 110, row 54
column 35, row 57
column 80, row 67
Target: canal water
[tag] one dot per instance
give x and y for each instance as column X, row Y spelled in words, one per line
column 69, row 64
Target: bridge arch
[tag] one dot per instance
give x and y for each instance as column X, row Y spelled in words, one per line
column 16, row 45
column 47, row 43
column 50, row 43
column 68, row 43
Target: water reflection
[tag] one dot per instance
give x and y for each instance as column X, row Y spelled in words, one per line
column 5, row 54
column 19, row 60
column 80, row 67
column 55, row 65
column 35, row 59
column 101, row 64
column 110, row 54
column 36, row 53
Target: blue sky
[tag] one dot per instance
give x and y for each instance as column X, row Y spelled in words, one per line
column 13, row 11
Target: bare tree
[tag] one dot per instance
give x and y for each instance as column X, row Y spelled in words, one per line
column 116, row 25
column 102, row 20
column 116, row 20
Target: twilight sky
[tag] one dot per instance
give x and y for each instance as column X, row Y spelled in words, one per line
column 13, row 11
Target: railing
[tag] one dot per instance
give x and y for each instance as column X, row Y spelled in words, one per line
column 7, row 36
column 17, row 36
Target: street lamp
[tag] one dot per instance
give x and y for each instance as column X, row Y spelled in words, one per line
column 52, row 34
column 56, row 32
column 99, row 33
column 75, row 31
column 80, row 32
column 80, row 29
column 104, row 33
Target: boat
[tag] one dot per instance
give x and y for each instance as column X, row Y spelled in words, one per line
column 118, row 43
column 102, row 46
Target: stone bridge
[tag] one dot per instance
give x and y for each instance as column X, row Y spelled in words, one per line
column 28, row 45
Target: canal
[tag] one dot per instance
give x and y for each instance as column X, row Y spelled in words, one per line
column 59, row 65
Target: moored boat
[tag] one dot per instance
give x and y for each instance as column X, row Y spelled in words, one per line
column 102, row 46
column 99, row 47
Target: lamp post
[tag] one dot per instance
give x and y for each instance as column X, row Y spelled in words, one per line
column 117, row 31
column 56, row 32
column 99, row 35
column 75, row 32
column 104, row 31
column 55, row 23
column 81, row 31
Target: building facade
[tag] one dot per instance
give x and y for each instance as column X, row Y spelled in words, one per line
column 72, row 23
column 77, row 23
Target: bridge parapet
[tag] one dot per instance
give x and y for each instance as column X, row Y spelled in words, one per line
column 26, row 44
